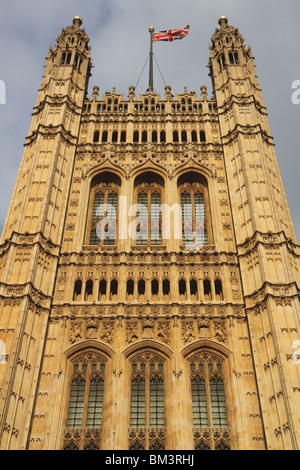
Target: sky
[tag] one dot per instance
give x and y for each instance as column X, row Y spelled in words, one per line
column 119, row 38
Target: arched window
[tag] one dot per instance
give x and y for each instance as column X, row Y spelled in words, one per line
column 85, row 402
column 154, row 136
column 63, row 58
column 218, row 289
column 135, row 136
column 162, row 136
column 114, row 137
column 123, row 136
column 202, row 136
column 113, row 294
column 207, row 289
column 194, row 200
column 130, row 289
column 194, row 136
column 182, row 289
column 144, row 136
column 166, row 289
column 69, row 56
column 96, row 136
column 209, row 401
column 154, row 289
column 77, row 290
column 89, row 290
column 149, row 189
column 175, row 136
column 183, row 136
column 104, row 136
column 103, row 211
column 193, row 289
column 102, row 289
column 141, row 289
column 147, row 402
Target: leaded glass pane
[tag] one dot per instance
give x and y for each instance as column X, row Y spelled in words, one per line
column 142, row 231
column 111, row 218
column 200, row 417
column 187, row 218
column 155, row 219
column 137, row 407
column 201, row 232
column 98, row 206
column 94, row 412
column 94, row 240
column 76, row 403
column 218, row 405
column 156, row 402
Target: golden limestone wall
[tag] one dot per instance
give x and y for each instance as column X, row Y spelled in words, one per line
column 266, row 243
column 32, row 234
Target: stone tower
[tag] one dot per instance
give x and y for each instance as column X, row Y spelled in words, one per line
column 149, row 267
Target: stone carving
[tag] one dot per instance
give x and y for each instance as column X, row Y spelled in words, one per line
column 107, row 334
column 91, row 329
column 76, row 334
column 220, row 334
column 203, row 328
column 148, row 329
column 131, row 333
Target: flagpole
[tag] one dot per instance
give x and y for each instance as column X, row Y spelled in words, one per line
column 151, row 29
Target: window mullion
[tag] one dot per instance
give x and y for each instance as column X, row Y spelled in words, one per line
column 149, row 217
column 86, row 396
column 208, row 401
column 194, row 221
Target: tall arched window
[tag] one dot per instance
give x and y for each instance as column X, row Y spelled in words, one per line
column 149, row 190
column 194, row 204
column 141, row 289
column 209, row 402
column 96, row 136
column 193, row 289
column 154, row 289
column 218, row 289
column 147, row 403
column 113, row 293
column 202, row 136
column 102, row 289
column 166, row 289
column 130, row 289
column 85, row 402
column 89, row 290
column 207, row 289
column 162, row 136
column 77, row 290
column 103, row 211
column 136, row 136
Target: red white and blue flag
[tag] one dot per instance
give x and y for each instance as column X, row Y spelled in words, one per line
column 171, row 34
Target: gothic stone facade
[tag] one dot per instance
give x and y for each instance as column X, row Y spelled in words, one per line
column 118, row 332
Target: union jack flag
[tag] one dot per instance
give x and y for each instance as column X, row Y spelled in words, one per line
column 171, row 34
